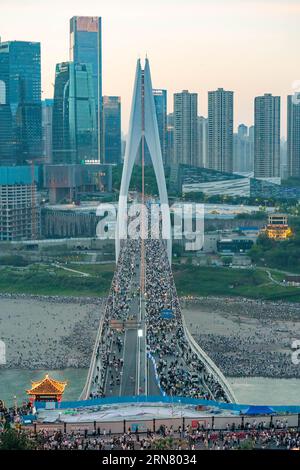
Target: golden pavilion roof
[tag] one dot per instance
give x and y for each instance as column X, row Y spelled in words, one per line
column 47, row 386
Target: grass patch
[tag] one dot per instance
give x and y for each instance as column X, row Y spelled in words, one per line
column 42, row 279
column 205, row 281
column 93, row 269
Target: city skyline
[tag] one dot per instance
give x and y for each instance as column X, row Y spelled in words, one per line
column 203, row 51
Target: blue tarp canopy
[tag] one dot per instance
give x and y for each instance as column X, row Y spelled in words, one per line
column 167, row 314
column 27, row 419
column 259, row 410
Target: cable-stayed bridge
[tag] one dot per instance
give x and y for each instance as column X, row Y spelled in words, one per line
column 143, row 346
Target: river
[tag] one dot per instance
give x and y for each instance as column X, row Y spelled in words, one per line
column 252, row 390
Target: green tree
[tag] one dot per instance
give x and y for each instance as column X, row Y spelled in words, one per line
column 247, row 444
column 227, row 260
column 12, row 439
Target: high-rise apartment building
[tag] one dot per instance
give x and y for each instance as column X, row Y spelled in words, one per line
column 220, row 130
column 20, row 102
column 74, row 135
column 293, row 135
column 112, row 129
column 86, row 48
column 185, row 128
column 170, row 146
column 202, row 140
column 267, row 136
column 251, row 145
column 242, row 151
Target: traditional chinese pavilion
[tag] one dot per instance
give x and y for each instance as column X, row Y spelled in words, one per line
column 47, row 390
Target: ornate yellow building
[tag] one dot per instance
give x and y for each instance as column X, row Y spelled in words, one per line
column 47, row 389
column 277, row 227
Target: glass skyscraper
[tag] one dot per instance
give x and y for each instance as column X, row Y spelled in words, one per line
column 20, row 102
column 86, row 48
column 74, row 138
column 47, row 122
column 112, row 129
column 160, row 101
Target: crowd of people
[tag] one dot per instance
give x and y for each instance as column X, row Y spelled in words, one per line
column 200, row 438
column 44, row 332
column 260, row 433
column 255, row 338
column 241, row 357
column 13, row 414
column 180, row 371
column 124, row 288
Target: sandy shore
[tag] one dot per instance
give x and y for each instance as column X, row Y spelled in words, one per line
column 48, row 332
column 246, row 338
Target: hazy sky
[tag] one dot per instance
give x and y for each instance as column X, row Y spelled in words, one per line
column 248, row 46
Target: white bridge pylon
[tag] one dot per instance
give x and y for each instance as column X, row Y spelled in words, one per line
column 143, row 123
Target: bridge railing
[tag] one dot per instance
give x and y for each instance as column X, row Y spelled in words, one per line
column 211, row 366
column 87, row 387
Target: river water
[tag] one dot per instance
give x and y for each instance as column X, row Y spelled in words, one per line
column 253, row 390
column 15, row 382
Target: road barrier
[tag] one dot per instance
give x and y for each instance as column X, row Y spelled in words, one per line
column 209, row 363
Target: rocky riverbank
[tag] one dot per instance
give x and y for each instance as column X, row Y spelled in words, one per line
column 48, row 332
column 246, row 338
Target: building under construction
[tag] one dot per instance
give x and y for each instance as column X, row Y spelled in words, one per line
column 19, row 208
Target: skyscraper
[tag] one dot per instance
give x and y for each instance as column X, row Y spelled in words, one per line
column 47, row 121
column 251, row 145
column 20, row 102
column 242, row 151
column 220, row 130
column 170, row 140
column 284, row 167
column 267, row 136
column 293, row 135
column 86, row 48
column 7, row 148
column 185, row 128
column 74, row 114
column 202, row 140
column 112, row 129
column 160, row 101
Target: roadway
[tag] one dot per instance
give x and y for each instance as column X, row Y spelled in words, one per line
column 137, row 376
